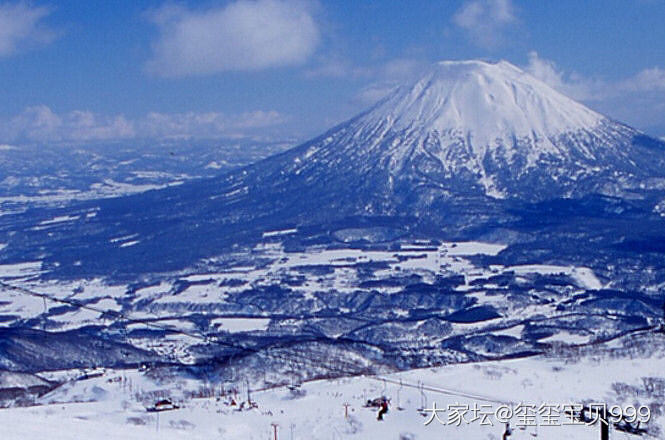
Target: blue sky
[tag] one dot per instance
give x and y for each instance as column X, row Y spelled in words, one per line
column 86, row 71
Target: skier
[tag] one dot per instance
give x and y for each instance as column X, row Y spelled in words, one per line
column 507, row 433
column 383, row 410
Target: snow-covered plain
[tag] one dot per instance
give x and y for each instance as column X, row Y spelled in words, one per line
column 274, row 264
column 163, row 300
column 198, row 302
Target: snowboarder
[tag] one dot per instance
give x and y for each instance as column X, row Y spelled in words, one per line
column 383, row 410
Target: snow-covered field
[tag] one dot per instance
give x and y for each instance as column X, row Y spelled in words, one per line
column 213, row 300
column 209, row 289
column 113, row 406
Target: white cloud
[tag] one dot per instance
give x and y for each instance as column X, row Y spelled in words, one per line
column 484, row 21
column 41, row 124
column 21, row 26
column 590, row 89
column 242, row 36
column 570, row 84
column 544, row 70
column 652, row 79
column 638, row 100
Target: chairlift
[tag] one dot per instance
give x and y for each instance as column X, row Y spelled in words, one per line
column 423, row 400
column 376, row 402
column 401, row 385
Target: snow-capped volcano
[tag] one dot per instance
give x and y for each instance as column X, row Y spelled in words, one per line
column 474, row 125
column 488, row 104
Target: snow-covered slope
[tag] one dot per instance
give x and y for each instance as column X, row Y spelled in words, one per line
column 12, row 379
column 113, row 406
column 490, row 104
column 488, row 128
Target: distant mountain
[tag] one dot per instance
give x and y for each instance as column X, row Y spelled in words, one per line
column 471, row 128
column 36, row 174
column 470, row 147
column 474, row 125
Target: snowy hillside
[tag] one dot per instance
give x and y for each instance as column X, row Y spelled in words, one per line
column 113, row 406
column 485, row 102
column 489, row 127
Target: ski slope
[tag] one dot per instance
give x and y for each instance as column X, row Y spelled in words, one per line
column 113, row 406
